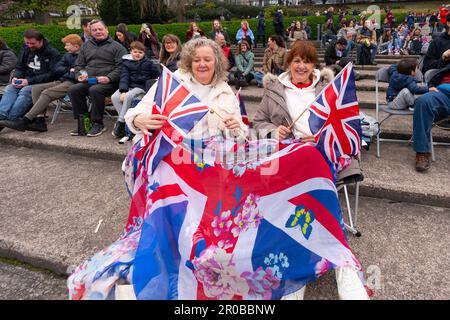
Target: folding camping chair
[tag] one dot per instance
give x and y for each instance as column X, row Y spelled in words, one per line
column 382, row 75
column 428, row 76
column 63, row 105
column 351, row 177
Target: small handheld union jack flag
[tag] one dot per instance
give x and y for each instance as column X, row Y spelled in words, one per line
column 183, row 110
column 242, row 107
column 334, row 117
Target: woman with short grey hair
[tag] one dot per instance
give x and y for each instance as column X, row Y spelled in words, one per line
column 202, row 70
column 187, row 56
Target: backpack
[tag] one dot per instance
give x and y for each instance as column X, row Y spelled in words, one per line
column 364, row 57
column 370, row 128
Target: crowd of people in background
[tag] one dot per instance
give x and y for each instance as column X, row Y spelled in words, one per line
column 123, row 66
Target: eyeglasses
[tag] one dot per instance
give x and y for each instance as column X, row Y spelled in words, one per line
column 169, row 43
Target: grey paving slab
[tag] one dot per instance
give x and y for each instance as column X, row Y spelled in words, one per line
column 51, row 205
column 403, row 250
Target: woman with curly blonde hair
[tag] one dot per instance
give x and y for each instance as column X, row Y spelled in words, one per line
column 202, row 69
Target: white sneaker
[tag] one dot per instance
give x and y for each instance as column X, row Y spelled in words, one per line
column 125, row 292
column 298, row 295
column 349, row 284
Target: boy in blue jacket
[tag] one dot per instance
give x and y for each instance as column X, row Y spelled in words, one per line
column 137, row 75
column 403, row 85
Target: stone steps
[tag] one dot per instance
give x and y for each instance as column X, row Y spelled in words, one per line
column 396, row 127
column 105, row 147
column 71, row 169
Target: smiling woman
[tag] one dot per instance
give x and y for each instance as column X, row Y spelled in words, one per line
column 202, row 70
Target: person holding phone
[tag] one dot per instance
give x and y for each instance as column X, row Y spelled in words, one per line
column 150, row 40
column 35, row 65
column 101, row 58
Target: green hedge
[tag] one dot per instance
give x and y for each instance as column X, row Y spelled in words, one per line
column 13, row 35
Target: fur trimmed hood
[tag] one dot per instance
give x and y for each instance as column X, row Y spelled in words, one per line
column 326, row 75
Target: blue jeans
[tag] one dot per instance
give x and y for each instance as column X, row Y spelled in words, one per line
column 428, row 108
column 15, row 102
column 350, row 46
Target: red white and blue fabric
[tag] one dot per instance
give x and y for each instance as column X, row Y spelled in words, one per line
column 257, row 229
column 183, row 109
column 334, row 117
column 244, row 115
column 218, row 233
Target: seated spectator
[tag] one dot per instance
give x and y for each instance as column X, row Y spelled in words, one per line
column 335, row 52
column 170, row 51
column 86, row 31
column 433, row 22
column 43, row 94
column 244, row 64
column 328, row 32
column 245, row 33
column 8, row 61
column 368, row 39
column 136, row 72
column 415, row 42
column 124, row 37
column 402, row 33
column 216, row 29
column 274, row 55
column 35, row 65
column 386, row 26
column 297, row 33
column 435, row 105
column 374, row 25
column 307, row 29
column 390, row 17
column 220, row 40
column 194, row 32
column 389, row 44
column 403, row 85
column 150, row 40
column 98, row 73
column 287, row 32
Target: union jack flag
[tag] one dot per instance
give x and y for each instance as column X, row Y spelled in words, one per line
column 242, row 107
column 334, row 117
column 183, row 110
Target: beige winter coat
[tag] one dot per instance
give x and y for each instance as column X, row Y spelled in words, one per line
column 274, row 111
column 274, row 59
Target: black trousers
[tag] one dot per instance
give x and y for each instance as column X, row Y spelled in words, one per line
column 240, row 76
column 259, row 36
column 97, row 93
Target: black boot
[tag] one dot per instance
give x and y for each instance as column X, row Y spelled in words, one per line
column 19, row 125
column 38, row 124
column 79, row 131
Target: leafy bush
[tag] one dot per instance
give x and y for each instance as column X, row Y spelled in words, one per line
column 13, row 35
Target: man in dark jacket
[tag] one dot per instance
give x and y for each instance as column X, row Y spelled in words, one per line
column 98, row 71
column 261, row 29
column 217, row 28
column 435, row 105
column 278, row 23
column 35, row 65
column 8, row 61
column 335, row 52
column 43, row 94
